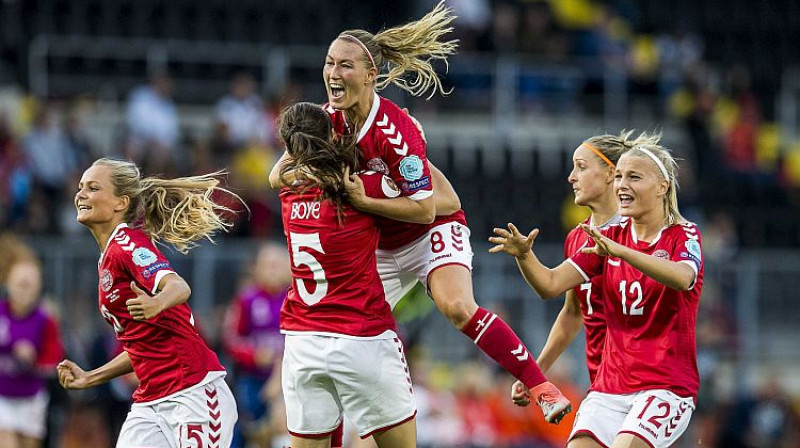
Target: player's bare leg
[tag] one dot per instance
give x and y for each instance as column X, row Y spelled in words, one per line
column 628, row 440
column 451, row 289
column 300, row 442
column 401, row 436
column 8, row 438
column 583, row 442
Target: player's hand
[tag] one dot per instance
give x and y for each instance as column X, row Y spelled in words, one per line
column 603, row 246
column 356, row 193
column 513, row 242
column 520, row 394
column 416, row 123
column 142, row 307
column 70, row 376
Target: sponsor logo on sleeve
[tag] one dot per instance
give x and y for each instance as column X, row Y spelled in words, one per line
column 153, row 268
column 411, row 168
column 106, row 280
column 693, row 249
column 143, row 257
column 389, row 188
column 416, row 185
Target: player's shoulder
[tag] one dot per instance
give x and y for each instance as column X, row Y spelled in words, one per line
column 135, row 243
column 683, row 230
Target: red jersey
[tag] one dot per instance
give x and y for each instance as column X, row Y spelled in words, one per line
column 390, row 143
column 336, row 288
column 650, row 341
column 167, row 353
column 590, row 296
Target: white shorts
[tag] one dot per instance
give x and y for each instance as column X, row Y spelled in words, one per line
column 26, row 416
column 201, row 417
column 657, row 416
column 401, row 269
column 326, row 376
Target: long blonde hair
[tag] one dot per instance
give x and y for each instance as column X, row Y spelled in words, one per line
column 410, row 48
column 671, row 210
column 178, row 211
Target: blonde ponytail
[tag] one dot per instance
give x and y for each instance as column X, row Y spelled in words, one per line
column 178, row 211
column 410, row 48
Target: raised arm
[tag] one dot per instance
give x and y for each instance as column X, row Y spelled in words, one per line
column 445, row 198
column 400, row 209
column 548, row 283
column 673, row 274
column 275, row 173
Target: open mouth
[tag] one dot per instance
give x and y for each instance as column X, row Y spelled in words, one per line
column 337, row 90
column 82, row 208
column 625, row 200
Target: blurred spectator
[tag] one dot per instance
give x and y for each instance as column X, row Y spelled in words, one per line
column 240, row 117
column 765, row 420
column 16, row 179
column 53, row 164
column 153, row 127
column 253, row 337
column 30, row 347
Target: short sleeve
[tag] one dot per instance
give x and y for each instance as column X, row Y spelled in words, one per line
column 376, row 185
column 687, row 247
column 405, row 151
column 146, row 264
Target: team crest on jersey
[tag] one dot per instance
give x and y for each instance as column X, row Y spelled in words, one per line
column 661, row 253
column 411, row 168
column 378, row 165
column 143, row 257
column 106, row 280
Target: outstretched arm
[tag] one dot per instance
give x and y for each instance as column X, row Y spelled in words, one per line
column 548, row 283
column 71, row 376
column 673, row 274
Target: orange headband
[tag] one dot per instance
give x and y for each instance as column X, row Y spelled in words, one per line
column 599, row 154
column 360, row 44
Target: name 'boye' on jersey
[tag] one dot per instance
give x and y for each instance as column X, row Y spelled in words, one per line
column 336, row 288
column 650, row 339
column 167, row 353
column 390, row 143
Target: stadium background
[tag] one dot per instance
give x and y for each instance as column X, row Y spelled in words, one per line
column 531, row 81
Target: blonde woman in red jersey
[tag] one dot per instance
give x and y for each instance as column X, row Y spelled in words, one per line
column 592, row 179
column 652, row 274
column 424, row 237
column 182, row 398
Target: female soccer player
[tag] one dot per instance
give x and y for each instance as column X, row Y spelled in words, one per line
column 182, row 398
column 592, row 179
column 342, row 353
column 30, row 346
column 415, row 244
column 652, row 274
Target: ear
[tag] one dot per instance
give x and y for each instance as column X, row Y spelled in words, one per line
column 610, row 172
column 372, row 75
column 123, row 203
column 663, row 187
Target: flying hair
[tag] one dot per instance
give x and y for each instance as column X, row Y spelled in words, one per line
column 410, row 48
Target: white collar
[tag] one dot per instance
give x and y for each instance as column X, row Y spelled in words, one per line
column 636, row 237
column 119, row 227
column 376, row 103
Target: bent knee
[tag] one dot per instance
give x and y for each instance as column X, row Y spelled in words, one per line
column 457, row 310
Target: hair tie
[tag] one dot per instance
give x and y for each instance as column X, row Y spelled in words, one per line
column 352, row 38
column 599, row 153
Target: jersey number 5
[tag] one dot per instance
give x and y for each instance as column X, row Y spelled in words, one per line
column 298, row 241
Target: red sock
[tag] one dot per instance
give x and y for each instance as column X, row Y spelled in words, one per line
column 492, row 335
